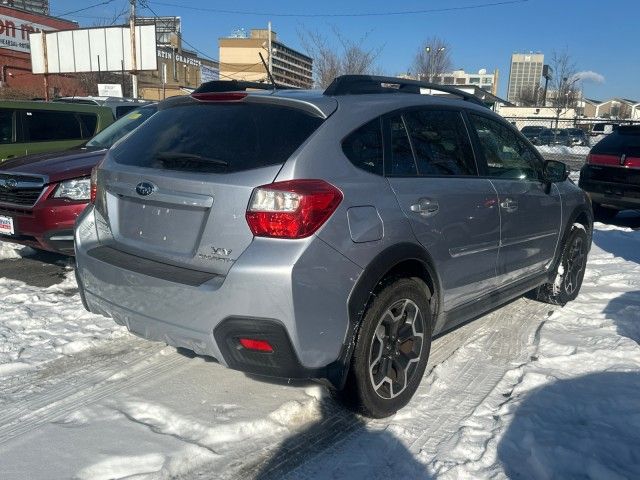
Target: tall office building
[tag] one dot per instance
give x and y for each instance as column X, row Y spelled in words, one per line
column 525, row 74
column 239, row 59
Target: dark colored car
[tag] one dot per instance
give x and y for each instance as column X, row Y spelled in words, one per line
column 532, row 132
column 578, row 137
column 554, row 137
column 611, row 175
column 42, row 195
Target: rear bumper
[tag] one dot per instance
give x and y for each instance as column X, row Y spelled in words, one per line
column 610, row 193
column 48, row 225
column 292, row 292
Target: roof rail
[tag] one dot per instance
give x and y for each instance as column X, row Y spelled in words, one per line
column 234, row 86
column 361, row 84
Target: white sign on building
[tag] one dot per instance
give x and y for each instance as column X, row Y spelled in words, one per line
column 14, row 33
column 110, row 90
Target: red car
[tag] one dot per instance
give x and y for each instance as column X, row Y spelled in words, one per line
column 42, row 195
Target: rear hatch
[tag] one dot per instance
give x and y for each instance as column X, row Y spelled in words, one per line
column 616, row 158
column 176, row 190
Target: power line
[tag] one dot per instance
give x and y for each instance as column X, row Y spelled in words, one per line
column 145, row 4
column 106, row 2
column 336, row 15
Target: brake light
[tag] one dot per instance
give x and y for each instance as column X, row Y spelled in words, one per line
column 596, row 159
column 219, row 97
column 257, row 345
column 94, row 184
column 291, row 209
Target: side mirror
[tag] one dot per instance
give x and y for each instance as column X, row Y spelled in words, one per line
column 554, row 171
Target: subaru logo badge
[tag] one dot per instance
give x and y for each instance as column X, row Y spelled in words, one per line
column 145, row 188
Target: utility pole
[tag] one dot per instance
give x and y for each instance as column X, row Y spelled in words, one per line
column 270, row 50
column 134, row 60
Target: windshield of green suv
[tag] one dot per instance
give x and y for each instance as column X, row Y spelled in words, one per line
column 121, row 127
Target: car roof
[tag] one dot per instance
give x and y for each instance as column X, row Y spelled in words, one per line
column 56, row 106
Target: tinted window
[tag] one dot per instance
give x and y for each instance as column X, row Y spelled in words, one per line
column 440, row 143
column 6, row 126
column 621, row 141
column 121, row 127
column 220, row 138
column 401, row 161
column 505, row 154
column 43, row 125
column 364, row 147
column 89, row 123
column 124, row 109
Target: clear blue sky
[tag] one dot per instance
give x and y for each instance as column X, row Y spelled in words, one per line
column 601, row 35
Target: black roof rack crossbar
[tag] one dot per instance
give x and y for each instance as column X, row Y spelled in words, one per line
column 361, row 84
column 234, row 86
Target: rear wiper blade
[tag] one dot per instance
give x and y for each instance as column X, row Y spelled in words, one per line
column 190, row 157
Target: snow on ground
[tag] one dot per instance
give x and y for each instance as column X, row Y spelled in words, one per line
column 563, row 150
column 38, row 325
column 529, row 391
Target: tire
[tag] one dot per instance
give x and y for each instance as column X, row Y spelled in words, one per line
column 603, row 213
column 376, row 386
column 569, row 272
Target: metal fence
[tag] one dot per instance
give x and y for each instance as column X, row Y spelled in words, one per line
column 569, row 147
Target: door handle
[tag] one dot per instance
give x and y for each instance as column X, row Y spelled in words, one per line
column 426, row 207
column 509, row 204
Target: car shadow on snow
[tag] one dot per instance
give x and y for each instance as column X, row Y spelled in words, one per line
column 340, row 444
column 609, row 241
column 624, row 310
column 586, row 427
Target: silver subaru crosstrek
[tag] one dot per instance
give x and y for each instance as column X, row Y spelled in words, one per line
column 326, row 235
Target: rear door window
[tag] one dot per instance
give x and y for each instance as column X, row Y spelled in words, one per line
column 46, row 125
column 6, row 125
column 621, row 141
column 440, row 142
column 217, row 138
column 89, row 122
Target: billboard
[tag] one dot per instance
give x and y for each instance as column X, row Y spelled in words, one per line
column 208, row 74
column 93, row 50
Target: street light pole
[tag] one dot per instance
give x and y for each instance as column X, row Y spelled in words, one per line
column 134, row 60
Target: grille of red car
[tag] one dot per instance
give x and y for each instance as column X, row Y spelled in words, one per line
column 20, row 189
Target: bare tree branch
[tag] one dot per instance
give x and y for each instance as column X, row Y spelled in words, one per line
column 432, row 60
column 565, row 81
column 329, row 62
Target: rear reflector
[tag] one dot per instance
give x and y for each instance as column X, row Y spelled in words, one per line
column 219, row 97
column 257, row 345
column 291, row 209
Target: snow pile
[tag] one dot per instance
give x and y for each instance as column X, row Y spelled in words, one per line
column 571, row 411
column 38, row 325
column 12, row 251
column 563, row 150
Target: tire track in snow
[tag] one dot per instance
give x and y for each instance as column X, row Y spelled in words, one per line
column 64, row 394
column 496, row 342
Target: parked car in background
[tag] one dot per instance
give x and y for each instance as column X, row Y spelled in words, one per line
column 532, row 132
column 118, row 105
column 42, row 195
column 554, row 136
column 302, row 234
column 39, row 127
column 611, row 175
column 577, row 136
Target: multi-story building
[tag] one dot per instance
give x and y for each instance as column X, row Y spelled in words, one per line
column 37, row 6
column 524, row 75
column 482, row 79
column 179, row 70
column 240, row 60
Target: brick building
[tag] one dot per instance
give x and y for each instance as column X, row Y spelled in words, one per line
column 16, row 80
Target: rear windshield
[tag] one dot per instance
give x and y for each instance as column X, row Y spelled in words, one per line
column 619, row 142
column 219, row 138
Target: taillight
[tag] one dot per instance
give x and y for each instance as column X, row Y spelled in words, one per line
column 94, row 184
column 291, row 209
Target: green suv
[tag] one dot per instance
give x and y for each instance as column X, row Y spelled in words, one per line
column 39, row 127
